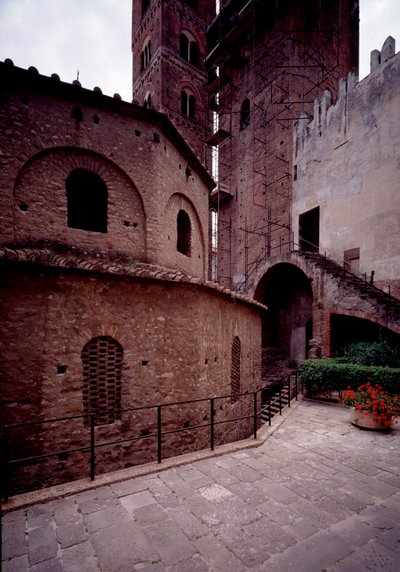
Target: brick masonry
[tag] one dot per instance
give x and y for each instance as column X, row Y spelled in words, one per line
column 62, row 287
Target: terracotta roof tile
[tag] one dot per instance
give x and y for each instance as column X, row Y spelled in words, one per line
column 115, row 265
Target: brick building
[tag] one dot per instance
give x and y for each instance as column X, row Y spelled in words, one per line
column 169, row 49
column 106, row 304
column 107, row 298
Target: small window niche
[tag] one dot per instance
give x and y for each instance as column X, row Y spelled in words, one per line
column 87, row 198
column 184, row 233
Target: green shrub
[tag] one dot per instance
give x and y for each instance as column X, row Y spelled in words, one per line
column 373, row 353
column 328, row 375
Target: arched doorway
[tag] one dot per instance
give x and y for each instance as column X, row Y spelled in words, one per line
column 287, row 325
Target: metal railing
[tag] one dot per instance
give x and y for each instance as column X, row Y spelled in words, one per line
column 287, row 387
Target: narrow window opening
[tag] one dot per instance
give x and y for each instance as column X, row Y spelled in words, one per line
column 146, row 54
column 235, row 369
column 245, row 114
column 188, row 104
column 184, row 232
column 188, row 48
column 145, row 6
column 86, row 201
column 102, row 368
column 184, row 47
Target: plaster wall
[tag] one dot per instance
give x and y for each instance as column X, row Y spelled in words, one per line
column 348, row 163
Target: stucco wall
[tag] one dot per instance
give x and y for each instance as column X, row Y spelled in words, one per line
column 348, row 164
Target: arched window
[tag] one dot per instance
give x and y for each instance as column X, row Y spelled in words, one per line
column 145, row 6
column 102, row 365
column 188, row 48
column 245, row 114
column 235, row 369
column 184, row 233
column 147, row 101
column 146, row 54
column 188, row 104
column 86, row 201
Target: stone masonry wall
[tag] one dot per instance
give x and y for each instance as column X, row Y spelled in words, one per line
column 50, row 128
column 176, row 340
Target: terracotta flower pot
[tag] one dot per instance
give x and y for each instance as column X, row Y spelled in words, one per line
column 366, row 420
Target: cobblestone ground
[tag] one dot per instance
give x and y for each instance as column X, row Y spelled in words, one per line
column 318, row 495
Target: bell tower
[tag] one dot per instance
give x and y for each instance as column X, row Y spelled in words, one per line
column 169, row 50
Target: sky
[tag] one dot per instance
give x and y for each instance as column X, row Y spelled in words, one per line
column 93, row 37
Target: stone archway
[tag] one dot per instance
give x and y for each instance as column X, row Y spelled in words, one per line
column 287, row 325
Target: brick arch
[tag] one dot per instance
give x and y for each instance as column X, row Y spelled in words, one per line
column 196, row 263
column 187, row 84
column 331, row 295
column 188, row 28
column 378, row 320
column 284, row 258
column 287, row 325
column 40, row 202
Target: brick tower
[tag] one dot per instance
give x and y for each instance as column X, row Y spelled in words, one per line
column 169, row 51
column 267, row 63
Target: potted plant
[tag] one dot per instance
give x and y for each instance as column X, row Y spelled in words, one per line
column 371, row 407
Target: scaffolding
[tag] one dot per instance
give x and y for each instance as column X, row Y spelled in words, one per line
column 288, row 55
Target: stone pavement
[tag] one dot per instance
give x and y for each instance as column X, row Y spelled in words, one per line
column 319, row 495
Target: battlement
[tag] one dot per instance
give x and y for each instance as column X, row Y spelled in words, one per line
column 354, row 97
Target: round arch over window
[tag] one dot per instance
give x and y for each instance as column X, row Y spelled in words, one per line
column 245, row 114
column 235, row 369
column 102, row 367
column 87, row 198
column 146, row 54
column 188, row 48
column 188, row 103
column 184, row 233
column 147, row 100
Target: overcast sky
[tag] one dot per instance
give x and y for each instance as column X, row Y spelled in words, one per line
column 93, row 36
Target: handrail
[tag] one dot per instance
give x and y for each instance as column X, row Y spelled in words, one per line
column 92, row 446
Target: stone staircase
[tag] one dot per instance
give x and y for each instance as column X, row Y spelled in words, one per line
column 277, row 397
column 388, row 304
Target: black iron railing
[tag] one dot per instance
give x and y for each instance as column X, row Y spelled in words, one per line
column 286, row 390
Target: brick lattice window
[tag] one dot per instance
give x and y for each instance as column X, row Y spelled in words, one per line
column 102, row 364
column 184, row 234
column 235, row 369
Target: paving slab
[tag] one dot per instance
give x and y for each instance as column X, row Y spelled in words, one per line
column 317, row 495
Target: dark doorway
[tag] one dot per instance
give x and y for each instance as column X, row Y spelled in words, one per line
column 309, row 230
column 287, row 324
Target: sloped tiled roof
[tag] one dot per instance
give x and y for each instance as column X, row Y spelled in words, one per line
column 75, row 258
